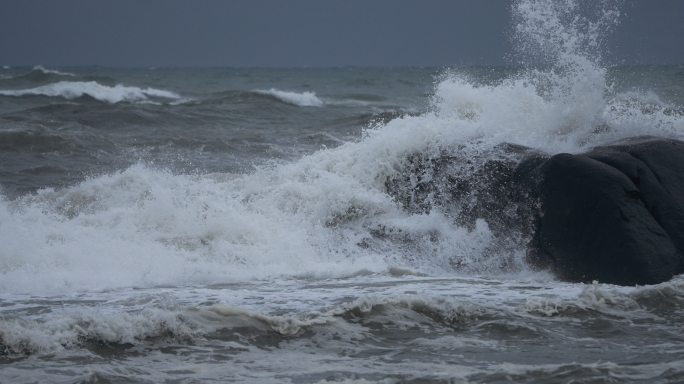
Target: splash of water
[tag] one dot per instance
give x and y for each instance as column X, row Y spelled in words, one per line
column 566, row 39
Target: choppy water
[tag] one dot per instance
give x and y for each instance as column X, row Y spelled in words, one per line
column 267, row 225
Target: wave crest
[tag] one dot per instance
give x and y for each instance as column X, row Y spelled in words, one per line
column 305, row 99
column 40, row 68
column 72, row 328
column 75, row 89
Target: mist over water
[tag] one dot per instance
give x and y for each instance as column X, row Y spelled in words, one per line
column 273, row 225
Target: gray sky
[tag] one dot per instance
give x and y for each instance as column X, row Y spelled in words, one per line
column 287, row 33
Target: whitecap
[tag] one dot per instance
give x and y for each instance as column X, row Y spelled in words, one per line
column 75, row 89
column 51, row 71
column 69, row 328
column 305, row 99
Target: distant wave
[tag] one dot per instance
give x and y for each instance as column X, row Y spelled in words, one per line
column 41, row 75
column 306, row 99
column 52, row 71
column 75, row 89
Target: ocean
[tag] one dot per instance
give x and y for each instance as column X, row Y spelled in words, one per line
column 190, row 225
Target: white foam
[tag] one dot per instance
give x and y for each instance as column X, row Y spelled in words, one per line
column 52, row 71
column 627, row 302
column 75, row 89
column 304, row 99
column 595, row 297
column 643, row 98
column 143, row 227
column 67, row 328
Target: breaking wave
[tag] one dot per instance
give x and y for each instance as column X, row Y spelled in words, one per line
column 40, row 68
column 75, row 89
column 70, row 328
column 305, row 99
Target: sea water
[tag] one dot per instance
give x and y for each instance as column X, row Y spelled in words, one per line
column 249, row 225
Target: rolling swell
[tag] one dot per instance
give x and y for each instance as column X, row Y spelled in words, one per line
column 41, row 76
column 432, row 324
column 78, row 89
column 225, row 131
column 37, row 75
column 38, row 141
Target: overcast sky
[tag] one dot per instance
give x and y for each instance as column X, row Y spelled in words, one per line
column 296, row 33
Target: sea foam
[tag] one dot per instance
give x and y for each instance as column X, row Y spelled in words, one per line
column 40, row 68
column 69, row 328
column 305, row 99
column 75, row 89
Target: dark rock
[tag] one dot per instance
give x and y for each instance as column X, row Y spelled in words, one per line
column 595, row 225
column 659, row 177
column 614, row 214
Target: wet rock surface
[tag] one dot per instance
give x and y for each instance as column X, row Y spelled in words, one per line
column 604, row 216
column 614, row 214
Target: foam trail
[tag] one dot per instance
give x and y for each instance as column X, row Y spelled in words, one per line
column 305, row 99
column 75, row 89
